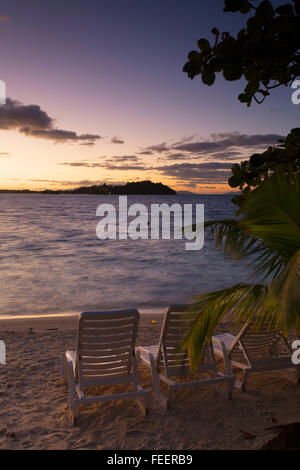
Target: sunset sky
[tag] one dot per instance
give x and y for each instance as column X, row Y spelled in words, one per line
column 96, row 93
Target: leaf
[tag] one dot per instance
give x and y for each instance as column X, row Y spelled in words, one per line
column 215, row 31
column 251, row 74
column 296, row 132
column 216, row 64
column 194, row 55
column 204, row 46
column 244, row 98
column 265, row 11
column 297, row 6
column 236, row 170
column 232, row 72
column 286, row 290
column 252, row 87
column 285, row 10
column 208, row 76
column 235, row 181
column 235, row 5
column 257, row 160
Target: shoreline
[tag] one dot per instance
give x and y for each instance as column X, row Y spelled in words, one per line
column 65, row 321
column 143, row 311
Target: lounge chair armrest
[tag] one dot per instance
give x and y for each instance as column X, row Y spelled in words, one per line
column 226, row 357
column 216, row 340
column 142, row 349
column 218, row 345
column 145, row 355
column 224, row 352
column 71, row 360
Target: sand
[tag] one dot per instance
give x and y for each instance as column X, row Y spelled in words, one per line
column 34, row 405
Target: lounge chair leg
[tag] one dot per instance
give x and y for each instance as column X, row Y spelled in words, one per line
column 147, row 405
column 143, row 404
column 74, row 414
column 245, row 375
column 155, row 379
column 63, row 369
column 168, row 404
column 230, row 388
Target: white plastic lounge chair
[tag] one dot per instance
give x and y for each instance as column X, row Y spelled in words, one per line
column 254, row 351
column 166, row 360
column 105, row 355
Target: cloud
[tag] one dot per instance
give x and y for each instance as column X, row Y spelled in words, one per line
column 227, row 141
column 117, row 140
column 72, row 184
column 157, row 148
column 222, row 142
column 66, row 183
column 5, row 154
column 175, row 156
column 205, row 173
column 112, row 167
column 111, row 163
column 4, row 18
column 184, row 140
column 227, row 155
column 146, row 152
column 14, row 115
column 123, row 158
column 31, row 120
column 58, row 135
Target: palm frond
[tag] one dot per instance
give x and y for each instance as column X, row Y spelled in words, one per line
column 238, row 303
column 286, row 292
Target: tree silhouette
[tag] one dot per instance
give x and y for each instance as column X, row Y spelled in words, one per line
column 266, row 53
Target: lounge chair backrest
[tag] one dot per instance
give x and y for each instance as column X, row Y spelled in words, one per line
column 171, row 360
column 105, row 345
column 258, row 345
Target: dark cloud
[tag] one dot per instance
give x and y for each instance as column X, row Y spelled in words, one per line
column 111, row 166
column 222, row 142
column 227, row 155
column 146, row 152
column 73, row 184
column 175, row 156
column 66, row 183
column 227, row 141
column 58, row 135
column 157, row 148
column 14, row 115
column 205, row 173
column 184, row 140
column 118, row 162
column 123, row 158
column 31, row 120
column 117, row 140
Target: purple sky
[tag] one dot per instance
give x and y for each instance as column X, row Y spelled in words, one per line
column 111, row 101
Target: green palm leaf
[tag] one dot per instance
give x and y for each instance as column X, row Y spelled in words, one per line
column 269, row 234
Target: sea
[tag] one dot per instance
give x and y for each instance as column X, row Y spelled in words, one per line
column 51, row 261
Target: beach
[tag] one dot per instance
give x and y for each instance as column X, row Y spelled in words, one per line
column 34, row 404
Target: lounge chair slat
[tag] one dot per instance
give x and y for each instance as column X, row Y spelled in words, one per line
column 108, row 324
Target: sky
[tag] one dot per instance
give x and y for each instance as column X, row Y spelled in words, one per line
column 96, row 93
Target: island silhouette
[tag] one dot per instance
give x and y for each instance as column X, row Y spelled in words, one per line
column 131, row 188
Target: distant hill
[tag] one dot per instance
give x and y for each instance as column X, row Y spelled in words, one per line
column 131, row 188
